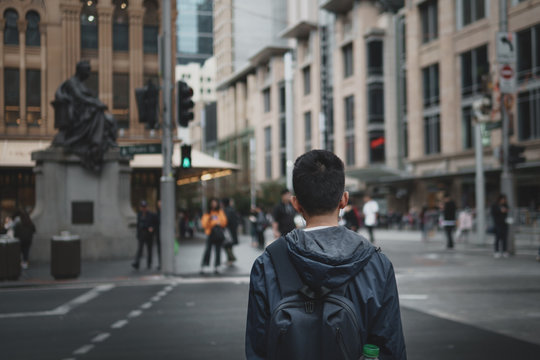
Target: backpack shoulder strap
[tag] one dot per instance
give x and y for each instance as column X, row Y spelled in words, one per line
column 288, row 279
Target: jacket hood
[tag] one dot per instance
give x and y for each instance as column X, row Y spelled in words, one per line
column 328, row 257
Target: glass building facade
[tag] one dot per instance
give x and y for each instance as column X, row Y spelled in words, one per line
column 194, row 27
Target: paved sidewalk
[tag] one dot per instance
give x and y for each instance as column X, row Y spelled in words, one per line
column 189, row 255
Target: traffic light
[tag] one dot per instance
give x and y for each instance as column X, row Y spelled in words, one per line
column 185, row 104
column 147, row 99
column 186, row 157
column 515, row 154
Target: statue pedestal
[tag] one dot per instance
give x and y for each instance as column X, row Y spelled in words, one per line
column 94, row 206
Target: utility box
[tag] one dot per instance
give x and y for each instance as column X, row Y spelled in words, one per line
column 10, row 258
column 65, row 256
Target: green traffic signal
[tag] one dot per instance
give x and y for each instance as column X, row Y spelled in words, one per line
column 186, row 163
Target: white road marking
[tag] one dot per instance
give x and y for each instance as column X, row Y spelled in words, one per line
column 83, row 350
column 119, row 324
column 162, row 293
column 146, row 306
column 135, row 313
column 65, row 308
column 156, row 298
column 413, row 297
column 101, row 337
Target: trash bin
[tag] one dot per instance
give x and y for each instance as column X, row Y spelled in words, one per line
column 65, row 256
column 10, row 258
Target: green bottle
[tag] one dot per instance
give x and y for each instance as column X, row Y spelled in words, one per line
column 370, row 352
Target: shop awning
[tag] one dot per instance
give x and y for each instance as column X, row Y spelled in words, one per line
column 203, row 166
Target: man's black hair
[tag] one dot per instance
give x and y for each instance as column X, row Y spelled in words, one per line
column 318, row 181
column 284, row 191
column 226, row 202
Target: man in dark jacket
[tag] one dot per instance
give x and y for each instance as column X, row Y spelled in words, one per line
column 325, row 254
column 145, row 234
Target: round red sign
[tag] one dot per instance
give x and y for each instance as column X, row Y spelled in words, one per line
column 507, row 72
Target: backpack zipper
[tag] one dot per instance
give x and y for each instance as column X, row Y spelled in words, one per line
column 341, row 344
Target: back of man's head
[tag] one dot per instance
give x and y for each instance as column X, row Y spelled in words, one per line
column 318, row 181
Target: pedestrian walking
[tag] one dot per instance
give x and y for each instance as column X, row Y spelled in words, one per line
column 371, row 213
column 24, row 230
column 449, row 219
column 258, row 225
column 499, row 212
column 464, row 225
column 299, row 285
column 213, row 223
column 145, row 233
column 351, row 217
column 233, row 220
column 283, row 215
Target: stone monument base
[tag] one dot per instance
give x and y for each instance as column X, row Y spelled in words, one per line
column 95, row 206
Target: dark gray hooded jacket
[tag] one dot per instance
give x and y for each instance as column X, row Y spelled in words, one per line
column 330, row 257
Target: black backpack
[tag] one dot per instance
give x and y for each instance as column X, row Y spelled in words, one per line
column 310, row 323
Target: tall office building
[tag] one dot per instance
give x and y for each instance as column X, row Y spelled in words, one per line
column 194, row 27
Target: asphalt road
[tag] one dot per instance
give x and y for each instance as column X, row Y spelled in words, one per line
column 455, row 305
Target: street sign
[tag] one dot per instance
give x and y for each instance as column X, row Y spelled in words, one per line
column 507, row 78
column 140, row 149
column 493, row 125
column 506, row 47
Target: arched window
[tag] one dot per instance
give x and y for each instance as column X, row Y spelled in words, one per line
column 151, row 27
column 89, row 25
column 11, row 32
column 32, row 29
column 120, row 26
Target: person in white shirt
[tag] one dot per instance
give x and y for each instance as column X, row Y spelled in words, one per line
column 371, row 212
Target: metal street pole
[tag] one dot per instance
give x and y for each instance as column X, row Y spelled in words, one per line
column 289, row 128
column 167, row 179
column 480, row 185
column 507, row 178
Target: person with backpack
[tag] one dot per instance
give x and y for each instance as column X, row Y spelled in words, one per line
column 322, row 292
column 213, row 223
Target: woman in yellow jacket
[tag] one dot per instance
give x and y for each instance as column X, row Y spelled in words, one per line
column 213, row 223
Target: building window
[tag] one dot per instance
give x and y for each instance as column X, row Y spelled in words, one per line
column 376, row 103
column 307, row 80
column 375, row 57
column 432, row 134
column 33, row 97
column 151, row 27
column 307, row 131
column 469, row 11
column 528, row 50
column 376, row 146
column 348, row 66
column 468, row 127
column 11, row 31
column 474, row 65
column 430, row 76
column 349, row 131
column 432, row 137
column 266, row 100
column 32, row 29
column 121, row 100
column 11, row 97
column 430, row 22
column 282, row 98
column 120, row 26
column 349, row 113
column 528, row 110
column 89, row 25
column 268, row 152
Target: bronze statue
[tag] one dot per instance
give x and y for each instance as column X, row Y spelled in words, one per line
column 84, row 127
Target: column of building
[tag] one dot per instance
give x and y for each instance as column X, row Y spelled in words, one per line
column 71, row 36
column 105, row 11
column 136, row 57
column 43, row 56
column 21, row 26
column 2, row 120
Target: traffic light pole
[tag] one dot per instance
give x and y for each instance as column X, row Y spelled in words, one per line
column 167, row 179
column 507, row 178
